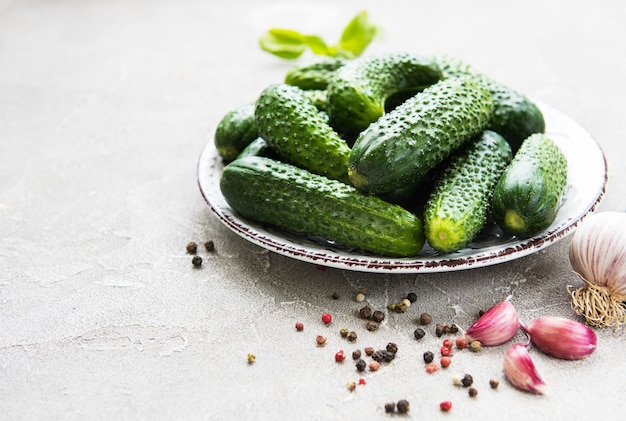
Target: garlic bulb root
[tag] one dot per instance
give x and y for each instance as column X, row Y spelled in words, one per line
column 597, row 305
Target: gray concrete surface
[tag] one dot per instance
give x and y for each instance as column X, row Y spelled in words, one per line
column 104, row 109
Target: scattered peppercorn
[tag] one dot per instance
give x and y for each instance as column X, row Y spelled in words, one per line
column 475, row 346
column 472, row 392
column 456, row 381
column 445, row 351
column 494, row 383
column 445, row 361
column 390, row 407
column 378, row 356
column 192, row 247
column 461, row 343
column 251, row 358
column 467, row 380
column 374, row 365
column 372, row 325
column 428, row 357
column 351, row 336
column 445, row 406
column 378, row 316
column 447, row 343
column 362, row 381
column 419, row 333
column 412, row 297
column 369, row 351
column 439, row 330
column 299, row 326
column 403, row 406
column 425, row 319
column 321, row 340
column 406, row 302
column 454, row 328
column 360, row 365
column 344, row 332
column 356, row 354
column 340, row 356
column 196, row 261
column 365, row 312
column 392, row 347
column 327, row 318
column 209, row 246
column 335, row 296
column 447, row 329
column 359, row 297
column 351, row 386
column 432, row 368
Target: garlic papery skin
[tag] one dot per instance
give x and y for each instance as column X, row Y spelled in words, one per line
column 520, row 370
column 561, row 337
column 496, row 326
column 597, row 253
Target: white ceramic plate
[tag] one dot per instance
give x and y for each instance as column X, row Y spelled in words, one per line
column 587, row 176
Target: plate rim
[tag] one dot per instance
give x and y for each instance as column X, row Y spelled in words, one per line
column 365, row 263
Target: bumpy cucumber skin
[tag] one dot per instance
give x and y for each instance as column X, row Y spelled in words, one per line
column 528, row 195
column 403, row 145
column 235, row 131
column 514, row 116
column 294, row 128
column 458, row 207
column 359, row 89
column 315, row 75
column 288, row 197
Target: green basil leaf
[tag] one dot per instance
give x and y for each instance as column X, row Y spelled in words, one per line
column 284, row 43
column 317, row 45
column 358, row 34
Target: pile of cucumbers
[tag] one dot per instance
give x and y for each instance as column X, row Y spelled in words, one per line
column 384, row 153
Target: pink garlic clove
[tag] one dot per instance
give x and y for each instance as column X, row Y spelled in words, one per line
column 496, row 326
column 520, row 370
column 561, row 337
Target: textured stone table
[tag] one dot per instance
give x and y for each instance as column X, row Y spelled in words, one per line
column 105, row 107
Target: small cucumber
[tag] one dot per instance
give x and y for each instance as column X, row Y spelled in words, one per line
column 293, row 199
column 293, row 127
column 359, row 89
column 529, row 194
column 514, row 116
column 314, row 76
column 404, row 144
column 258, row 147
column 458, row 207
column 235, row 131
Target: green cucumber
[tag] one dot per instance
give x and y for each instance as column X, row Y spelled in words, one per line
column 258, row 147
column 459, row 205
column 315, row 75
column 514, row 115
column 293, row 199
column 529, row 194
column 359, row 89
column 293, row 127
column 403, row 145
column 235, row 131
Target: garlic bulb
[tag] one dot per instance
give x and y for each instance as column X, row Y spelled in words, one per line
column 597, row 254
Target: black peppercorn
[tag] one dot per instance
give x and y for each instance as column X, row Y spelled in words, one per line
column 378, row 316
column 351, row 336
column 196, row 261
column 454, row 328
column 192, row 247
column 467, row 380
column 403, row 406
column 439, row 330
column 425, row 319
column 209, row 246
column 335, row 295
column 361, row 365
column 428, row 357
column 372, row 326
column 390, row 406
column 472, row 392
column 412, row 297
column 365, row 312
column 356, row 354
column 392, row 347
column 419, row 333
column 388, row 356
column 378, row 356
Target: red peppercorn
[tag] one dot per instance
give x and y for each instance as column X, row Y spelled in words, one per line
column 445, row 351
column 447, row 343
column 299, row 326
column 362, row 381
column 432, row 368
column 327, row 318
column 445, row 361
column 461, row 343
column 340, row 356
column 445, row 405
